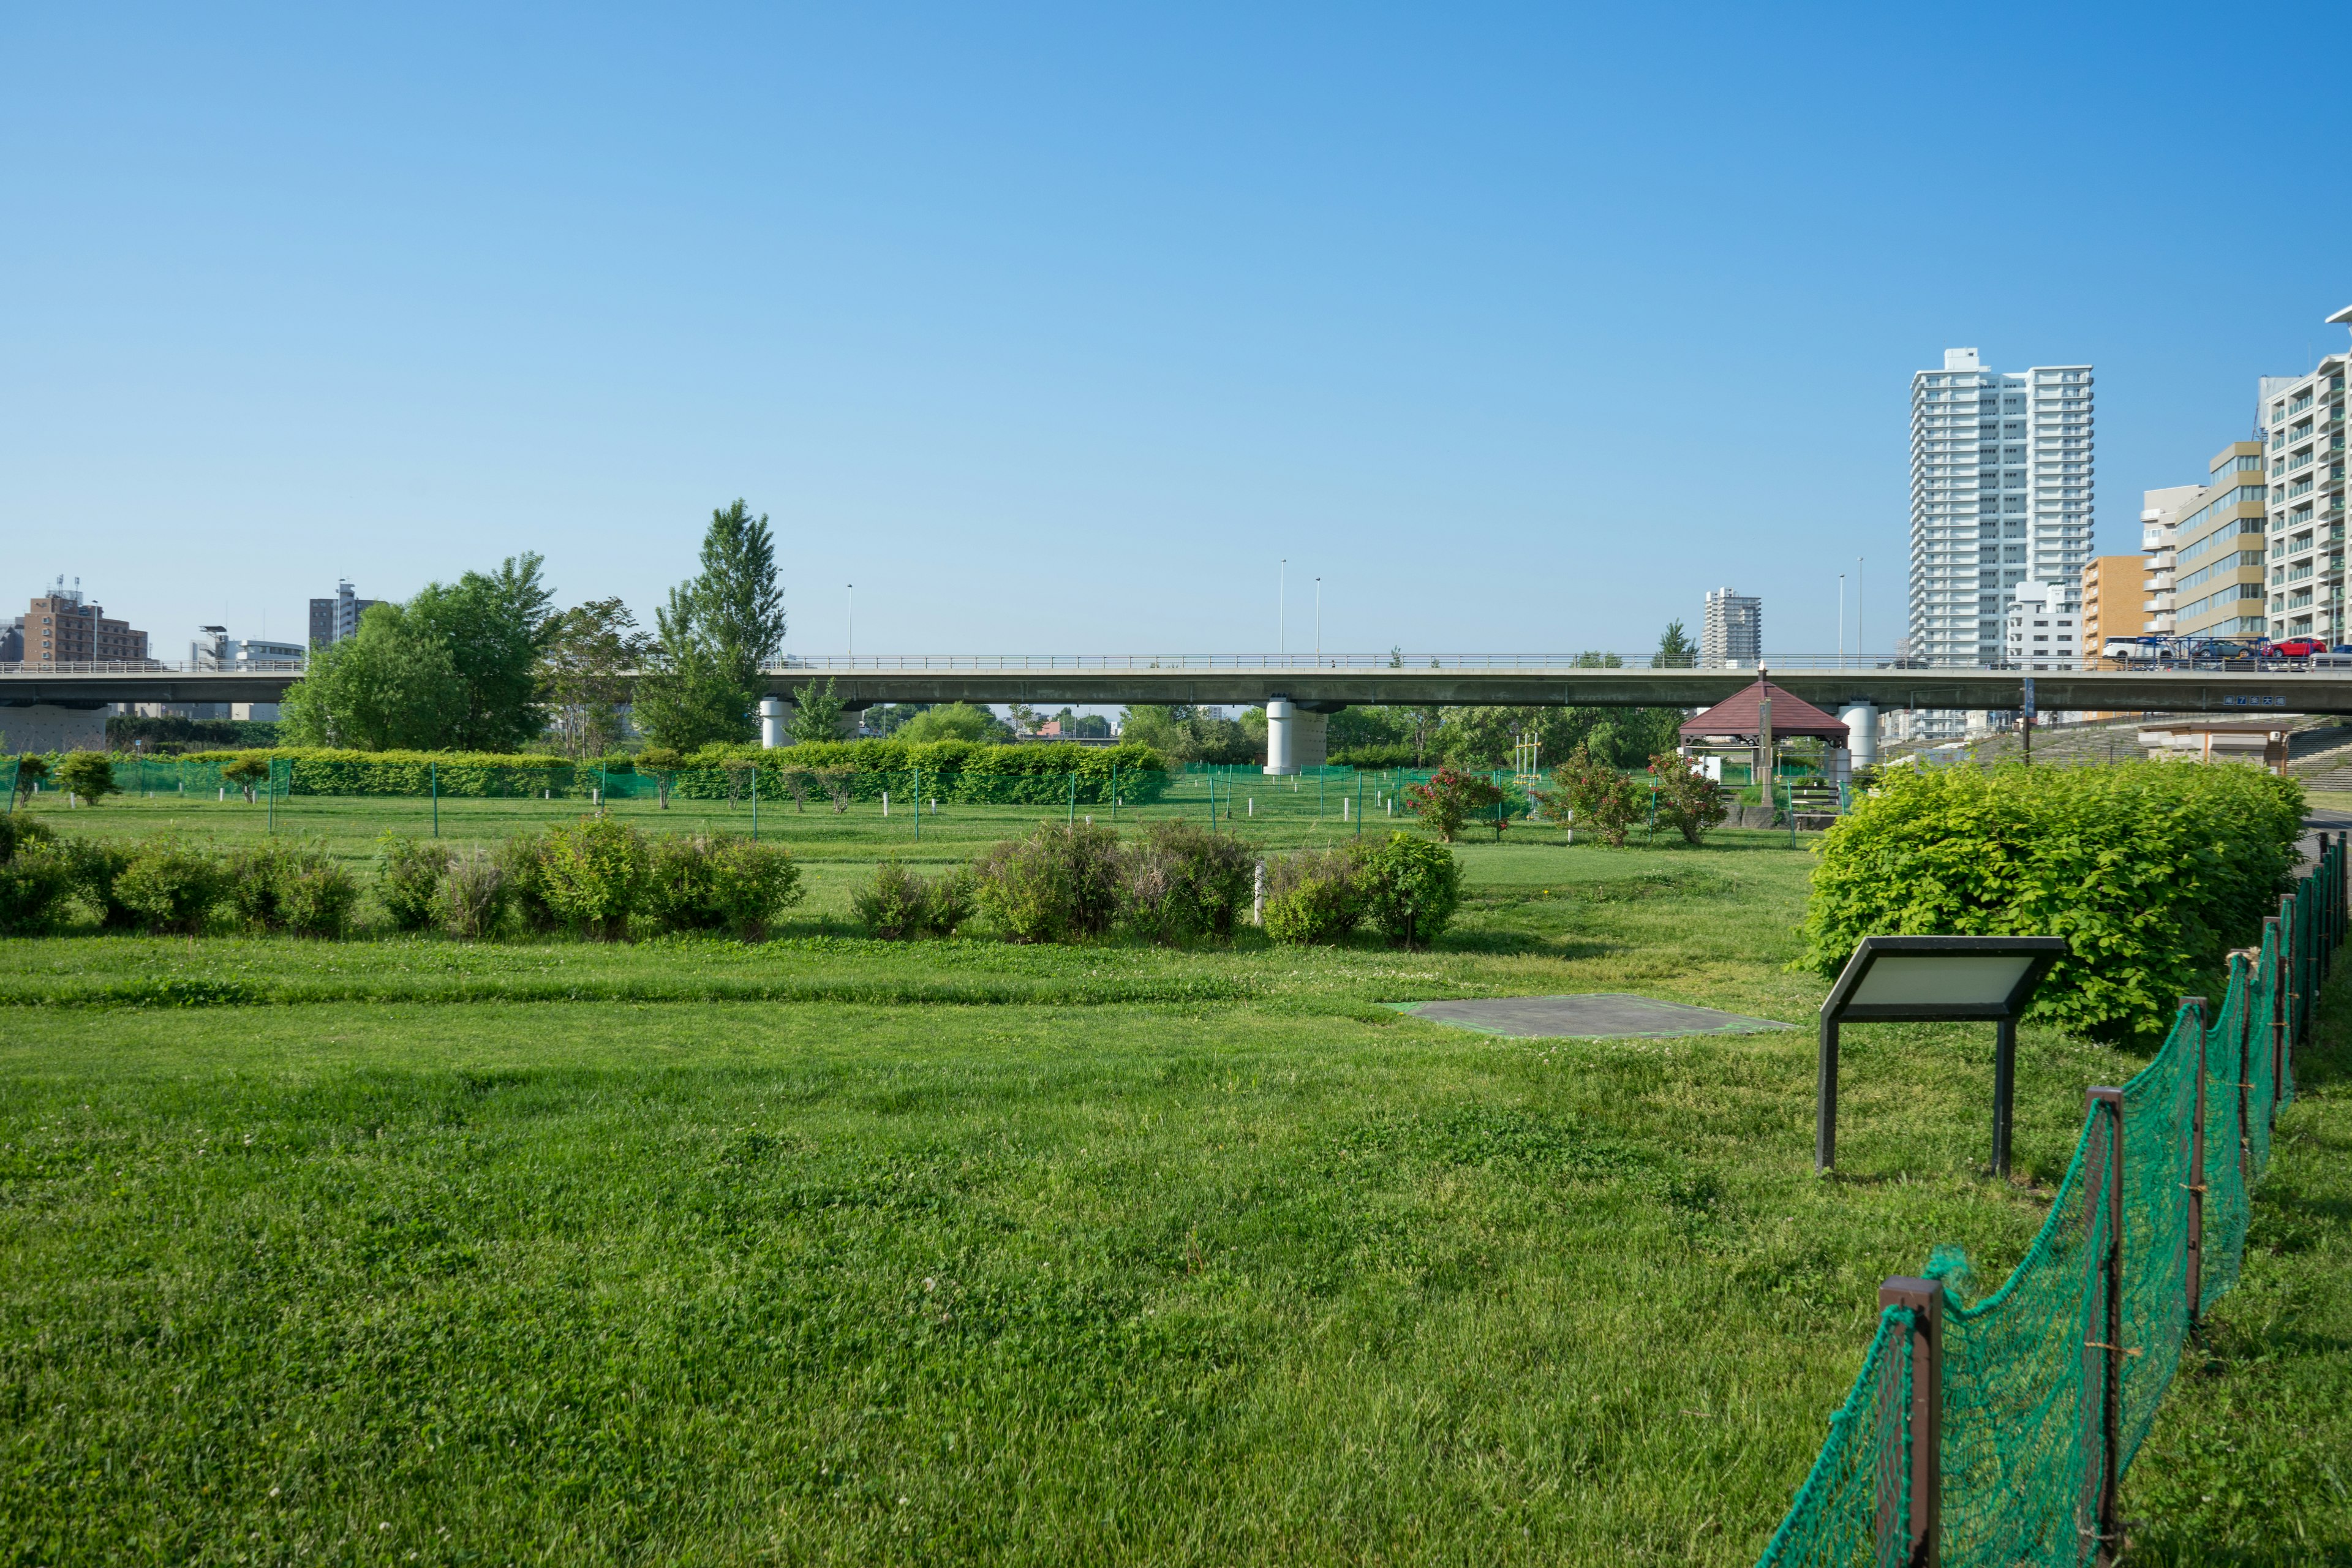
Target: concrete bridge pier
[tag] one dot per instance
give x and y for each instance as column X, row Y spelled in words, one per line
column 775, row 722
column 1295, row 734
column 1861, row 719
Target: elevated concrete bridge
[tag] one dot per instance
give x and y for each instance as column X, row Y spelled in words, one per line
column 1300, row 692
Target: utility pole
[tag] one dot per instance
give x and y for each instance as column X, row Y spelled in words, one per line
column 1841, row 620
column 1319, row 623
column 853, row 620
column 1281, row 603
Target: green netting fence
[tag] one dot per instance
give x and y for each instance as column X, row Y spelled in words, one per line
column 2020, row 1412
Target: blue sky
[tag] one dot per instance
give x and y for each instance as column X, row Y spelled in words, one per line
column 1055, row 328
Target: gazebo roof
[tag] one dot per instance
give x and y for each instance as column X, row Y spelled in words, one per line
column 1737, row 715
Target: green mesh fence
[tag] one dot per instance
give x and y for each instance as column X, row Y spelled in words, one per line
column 2050, row 1383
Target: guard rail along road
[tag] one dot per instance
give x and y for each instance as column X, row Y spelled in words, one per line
column 1335, row 681
column 1998, row 1432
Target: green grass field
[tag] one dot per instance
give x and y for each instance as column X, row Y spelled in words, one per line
column 835, row 1251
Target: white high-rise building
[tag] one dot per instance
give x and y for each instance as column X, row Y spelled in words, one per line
column 1731, row 637
column 2002, row 495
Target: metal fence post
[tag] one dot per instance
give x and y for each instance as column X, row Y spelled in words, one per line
column 1925, row 1526
column 2195, row 1007
column 433, row 776
column 2107, row 1530
column 2004, row 1092
column 755, row 803
column 1826, row 1097
column 918, row 803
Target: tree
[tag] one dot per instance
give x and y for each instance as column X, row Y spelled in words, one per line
column 1025, row 719
column 1675, row 650
column 738, row 604
column 1596, row 794
column 1410, row 888
column 31, row 769
column 495, row 626
column 384, row 688
column 685, row 698
column 816, row 715
column 1451, row 798
column 953, row 721
column 588, row 651
column 89, row 774
column 248, row 773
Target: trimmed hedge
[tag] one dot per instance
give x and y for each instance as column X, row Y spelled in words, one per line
column 2152, row 872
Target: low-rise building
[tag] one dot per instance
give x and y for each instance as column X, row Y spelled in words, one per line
column 2043, row 632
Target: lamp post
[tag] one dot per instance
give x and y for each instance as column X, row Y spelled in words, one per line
column 1319, row 623
column 1281, row 602
column 853, row 620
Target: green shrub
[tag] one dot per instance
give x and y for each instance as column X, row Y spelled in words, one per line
column 472, row 894
column 248, row 773
column 96, row 871
column 1061, row 882
column 1688, row 801
column 951, row 901
column 37, row 876
column 31, row 769
column 291, row 886
column 89, row 774
column 1314, row 895
column 705, row 882
column 408, row 877
column 1183, row 882
column 593, row 873
column 171, row 885
column 1590, row 793
column 894, row 904
column 1412, row 889
column 1451, row 798
column 522, row 862
column 2151, row 871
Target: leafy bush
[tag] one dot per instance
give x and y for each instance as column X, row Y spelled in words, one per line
column 593, row 873
column 472, row 894
column 170, row 885
column 1412, row 889
column 1183, row 882
column 1314, row 895
column 522, row 862
column 716, row 882
column 291, row 886
column 2151, row 871
column 37, row 876
column 1688, row 801
column 1062, row 881
column 1595, row 794
column 89, row 774
column 31, row 769
column 97, row 869
column 1452, row 797
column 408, row 877
column 247, row 773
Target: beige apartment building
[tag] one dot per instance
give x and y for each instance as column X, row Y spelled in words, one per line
column 2303, row 424
column 2114, row 600
column 2219, row 564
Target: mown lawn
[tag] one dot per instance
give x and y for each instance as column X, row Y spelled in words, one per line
column 831, row 1251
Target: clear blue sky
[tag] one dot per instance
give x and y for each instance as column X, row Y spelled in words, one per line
column 1053, row 329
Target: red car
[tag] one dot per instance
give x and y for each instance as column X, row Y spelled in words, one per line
column 2297, row 647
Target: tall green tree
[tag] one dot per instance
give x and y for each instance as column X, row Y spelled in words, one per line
column 686, row 696
column 739, row 605
column 816, row 713
column 1676, row 649
column 590, row 650
column 701, row 679
column 495, row 626
column 384, row 688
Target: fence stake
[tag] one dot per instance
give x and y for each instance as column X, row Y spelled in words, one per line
column 1359, row 803
column 755, row 803
column 2274, row 941
column 1114, row 794
column 1826, row 1097
column 2108, row 1530
column 2290, row 987
column 2194, row 1007
column 433, row 773
column 918, row 804
column 1925, row 1526
column 1073, row 799
column 2004, row 1092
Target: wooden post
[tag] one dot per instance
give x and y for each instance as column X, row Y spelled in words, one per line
column 2194, row 1006
column 1926, row 1523
column 1825, row 1089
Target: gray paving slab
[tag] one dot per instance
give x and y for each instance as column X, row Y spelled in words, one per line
column 1595, row 1015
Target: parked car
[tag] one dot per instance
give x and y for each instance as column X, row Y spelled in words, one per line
column 2297, row 647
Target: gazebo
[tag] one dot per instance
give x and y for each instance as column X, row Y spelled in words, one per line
column 1742, row 723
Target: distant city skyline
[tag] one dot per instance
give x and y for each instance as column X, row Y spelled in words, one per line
column 1057, row 331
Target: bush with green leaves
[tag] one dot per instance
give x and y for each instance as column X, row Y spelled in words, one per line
column 171, row 885
column 1688, row 801
column 472, row 894
column 1314, row 894
column 31, row 769
column 1450, row 797
column 97, row 867
column 37, row 876
column 1061, row 882
column 2151, row 871
column 1592, row 794
column 408, row 877
column 1183, row 882
column 708, row 882
column 897, row 905
column 89, row 776
column 248, row 773
column 1412, row 888
column 291, row 886
column 593, row 873
column 522, row 862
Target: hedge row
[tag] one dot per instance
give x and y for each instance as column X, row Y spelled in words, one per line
column 2151, row 871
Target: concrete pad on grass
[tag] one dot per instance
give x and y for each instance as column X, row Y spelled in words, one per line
column 1596, row 1015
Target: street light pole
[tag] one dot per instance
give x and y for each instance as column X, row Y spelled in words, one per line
column 1319, row 623
column 853, row 620
column 1281, row 602
column 1841, row 620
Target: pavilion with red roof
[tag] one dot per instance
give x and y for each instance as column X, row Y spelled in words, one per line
column 1736, row 725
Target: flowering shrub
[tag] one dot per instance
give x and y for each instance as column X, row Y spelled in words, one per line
column 1451, row 798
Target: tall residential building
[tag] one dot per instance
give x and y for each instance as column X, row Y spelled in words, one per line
column 60, row 628
column 2002, row 494
column 1732, row 635
column 332, row 620
column 2160, row 542
column 2302, row 421
column 2114, row 600
column 2216, row 533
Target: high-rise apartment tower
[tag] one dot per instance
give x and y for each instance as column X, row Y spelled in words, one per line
column 1732, row 635
column 2302, row 420
column 2001, row 495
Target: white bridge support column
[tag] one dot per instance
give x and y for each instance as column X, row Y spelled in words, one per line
column 1861, row 719
column 1295, row 739
column 775, row 722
